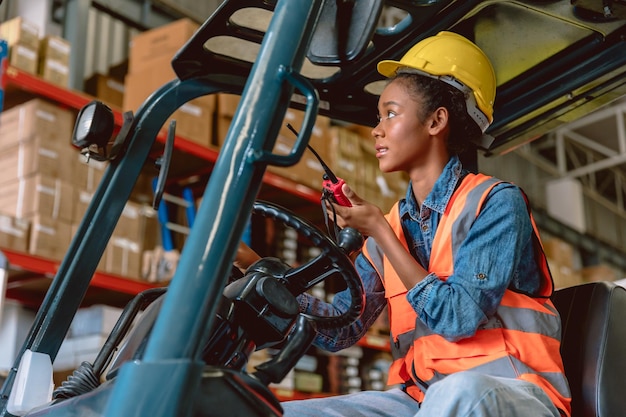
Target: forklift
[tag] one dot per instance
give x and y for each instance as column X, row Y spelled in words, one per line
column 187, row 353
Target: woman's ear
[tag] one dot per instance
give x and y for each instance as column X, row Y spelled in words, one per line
column 438, row 121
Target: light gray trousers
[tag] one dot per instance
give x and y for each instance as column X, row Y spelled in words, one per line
column 465, row 394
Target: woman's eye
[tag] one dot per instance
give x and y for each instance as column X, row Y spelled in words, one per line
column 389, row 115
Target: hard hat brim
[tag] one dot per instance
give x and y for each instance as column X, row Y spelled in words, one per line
column 388, row 68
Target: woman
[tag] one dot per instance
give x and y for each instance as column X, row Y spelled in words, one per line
column 458, row 261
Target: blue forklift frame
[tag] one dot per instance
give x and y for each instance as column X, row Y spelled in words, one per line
column 164, row 382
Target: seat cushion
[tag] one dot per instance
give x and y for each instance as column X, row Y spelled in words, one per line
column 594, row 347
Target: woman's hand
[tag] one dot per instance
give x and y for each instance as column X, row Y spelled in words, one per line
column 245, row 257
column 363, row 216
column 370, row 221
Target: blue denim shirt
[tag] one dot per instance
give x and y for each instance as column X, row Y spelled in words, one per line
column 497, row 254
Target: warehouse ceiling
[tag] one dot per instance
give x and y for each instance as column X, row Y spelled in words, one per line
column 591, row 149
column 555, row 61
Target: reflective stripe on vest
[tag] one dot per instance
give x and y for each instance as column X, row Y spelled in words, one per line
column 521, row 340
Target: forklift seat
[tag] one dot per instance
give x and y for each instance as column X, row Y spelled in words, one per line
column 594, row 347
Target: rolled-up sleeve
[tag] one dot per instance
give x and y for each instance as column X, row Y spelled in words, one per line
column 336, row 339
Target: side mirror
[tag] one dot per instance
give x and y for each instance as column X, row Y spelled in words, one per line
column 344, row 30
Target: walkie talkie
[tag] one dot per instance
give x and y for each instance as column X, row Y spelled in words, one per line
column 331, row 184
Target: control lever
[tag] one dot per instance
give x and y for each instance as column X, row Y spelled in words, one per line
column 163, row 164
column 300, row 339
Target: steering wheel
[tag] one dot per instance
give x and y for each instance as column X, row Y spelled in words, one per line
column 333, row 259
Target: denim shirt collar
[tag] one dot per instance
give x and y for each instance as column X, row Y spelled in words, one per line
column 439, row 196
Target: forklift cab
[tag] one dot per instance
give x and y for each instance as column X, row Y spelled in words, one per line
column 553, row 59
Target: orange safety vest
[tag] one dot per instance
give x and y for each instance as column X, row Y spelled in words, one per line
column 522, row 340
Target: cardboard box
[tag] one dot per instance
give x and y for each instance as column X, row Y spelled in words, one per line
column 194, row 120
column 308, row 382
column 136, row 231
column 49, row 238
column 123, row 258
column 37, row 117
column 14, row 233
column 564, row 276
column 55, row 48
column 222, row 124
column 560, row 252
column 94, row 320
column 308, row 171
column 54, row 60
column 106, row 88
column 600, row 272
column 37, row 194
column 25, row 58
column 20, row 31
column 345, row 153
column 148, row 48
column 138, row 223
column 76, row 350
column 55, row 72
column 87, row 173
column 35, row 156
column 227, row 104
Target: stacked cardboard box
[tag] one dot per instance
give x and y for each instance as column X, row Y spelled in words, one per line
column 46, row 187
column 36, row 170
column 14, row 233
column 54, row 60
column 22, row 37
column 150, row 57
column 86, row 336
column 106, row 88
column 308, row 171
column 346, row 153
column 47, row 56
column 135, row 233
column 563, row 261
column 599, row 272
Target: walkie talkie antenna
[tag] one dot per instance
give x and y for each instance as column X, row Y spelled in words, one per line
column 331, row 176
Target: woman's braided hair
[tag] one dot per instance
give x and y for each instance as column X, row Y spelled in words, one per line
column 432, row 94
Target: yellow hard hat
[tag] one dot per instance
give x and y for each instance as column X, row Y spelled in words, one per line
column 455, row 60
